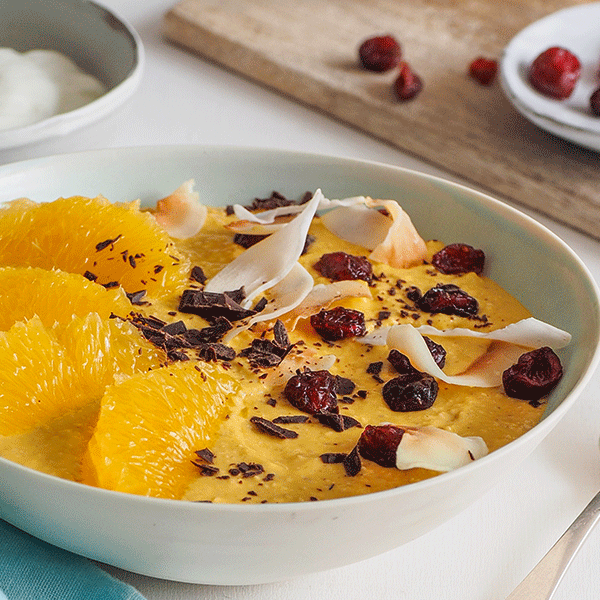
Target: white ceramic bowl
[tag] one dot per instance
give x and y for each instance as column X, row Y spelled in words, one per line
column 97, row 40
column 241, row 544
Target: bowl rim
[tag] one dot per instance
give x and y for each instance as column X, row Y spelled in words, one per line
column 541, row 429
column 64, row 123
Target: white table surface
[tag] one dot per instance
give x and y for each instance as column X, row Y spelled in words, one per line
column 484, row 552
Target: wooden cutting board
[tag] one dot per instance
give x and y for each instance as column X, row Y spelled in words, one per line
column 307, row 49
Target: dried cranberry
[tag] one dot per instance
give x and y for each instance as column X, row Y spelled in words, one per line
column 379, row 444
column 483, row 70
column 456, row 259
column 448, row 299
column 555, row 72
column 438, row 352
column 339, row 266
column 400, row 362
column 595, row 102
column 534, row 375
column 380, row 53
column 312, row 392
column 407, row 84
column 339, row 323
column 410, row 391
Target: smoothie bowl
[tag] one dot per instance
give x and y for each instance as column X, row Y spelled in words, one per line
column 249, row 376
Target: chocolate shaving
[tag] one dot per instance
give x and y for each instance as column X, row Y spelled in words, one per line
column 237, row 295
column 280, row 336
column 176, row 328
column 173, row 337
column 286, row 419
column 136, row 298
column 344, row 386
column 206, row 470
column 246, row 469
column 211, row 334
column 352, row 463
column 198, row 275
column 214, row 352
column 175, row 355
column 206, row 455
column 89, row 275
column 247, row 240
column 270, row 428
column 336, row 421
column 212, row 305
column 332, row 458
column 275, row 200
column 260, row 305
column 263, row 353
column 102, row 245
column 375, row 368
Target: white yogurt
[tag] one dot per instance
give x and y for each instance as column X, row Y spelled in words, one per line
column 38, row 84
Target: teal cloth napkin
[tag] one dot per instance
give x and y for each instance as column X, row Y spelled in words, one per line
column 33, row 570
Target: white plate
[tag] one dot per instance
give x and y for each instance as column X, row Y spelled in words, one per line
column 578, row 30
column 101, row 43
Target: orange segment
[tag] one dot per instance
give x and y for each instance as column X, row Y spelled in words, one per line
column 150, row 425
column 38, row 380
column 50, row 372
column 54, row 296
column 101, row 350
column 113, row 242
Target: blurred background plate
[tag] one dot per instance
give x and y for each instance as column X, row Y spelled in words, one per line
column 577, row 30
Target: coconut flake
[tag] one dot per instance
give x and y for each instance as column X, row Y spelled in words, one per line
column 268, row 216
column 266, row 263
column 286, row 295
column 485, row 372
column 529, row 332
column 181, row 213
column 402, row 247
column 437, row 449
column 393, row 240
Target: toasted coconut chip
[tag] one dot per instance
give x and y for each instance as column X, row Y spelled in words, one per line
column 322, row 295
column 358, row 224
column 393, row 240
column 266, row 263
column 181, row 213
column 269, row 216
column 402, row 247
column 437, row 449
column 286, row 295
column 530, row 332
column 485, row 372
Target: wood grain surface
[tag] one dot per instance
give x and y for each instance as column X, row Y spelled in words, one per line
column 308, row 50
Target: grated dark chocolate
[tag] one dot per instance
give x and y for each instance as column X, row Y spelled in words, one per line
column 273, row 429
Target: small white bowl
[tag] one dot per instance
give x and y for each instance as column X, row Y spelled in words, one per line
column 576, row 29
column 242, row 544
column 97, row 40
